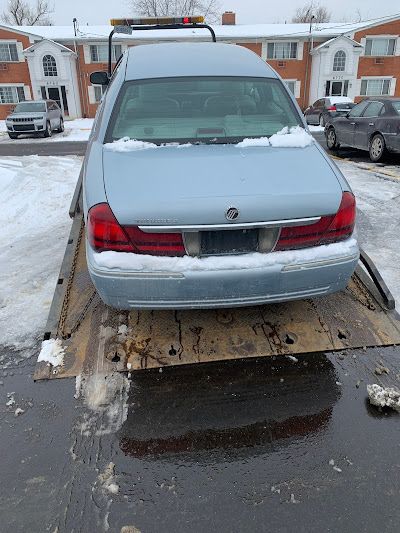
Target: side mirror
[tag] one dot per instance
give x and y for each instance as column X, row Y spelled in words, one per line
column 99, row 78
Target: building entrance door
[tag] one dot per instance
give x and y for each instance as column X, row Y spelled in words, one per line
column 337, row 88
column 58, row 94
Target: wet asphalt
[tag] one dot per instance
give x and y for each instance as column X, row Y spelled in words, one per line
column 239, row 446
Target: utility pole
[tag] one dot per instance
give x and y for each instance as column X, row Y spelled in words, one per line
column 310, row 46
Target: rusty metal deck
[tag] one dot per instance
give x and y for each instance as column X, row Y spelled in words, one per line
column 350, row 319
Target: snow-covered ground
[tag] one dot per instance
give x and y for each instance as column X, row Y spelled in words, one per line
column 75, row 130
column 34, row 196
column 35, row 193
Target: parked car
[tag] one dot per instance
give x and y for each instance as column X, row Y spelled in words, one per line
column 41, row 117
column 372, row 125
column 179, row 214
column 325, row 108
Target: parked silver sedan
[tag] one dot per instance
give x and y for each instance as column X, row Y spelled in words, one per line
column 202, row 187
column 41, row 117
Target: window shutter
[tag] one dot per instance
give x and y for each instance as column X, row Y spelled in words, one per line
column 19, row 53
column 391, row 47
column 270, row 51
column 368, row 47
column 86, row 53
column 27, row 92
column 363, row 90
column 92, row 97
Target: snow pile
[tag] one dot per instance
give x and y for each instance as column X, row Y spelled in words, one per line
column 128, row 145
column 316, row 128
column 107, row 479
column 137, row 262
column 295, row 137
column 106, row 396
column 52, row 352
column 35, row 193
column 384, row 397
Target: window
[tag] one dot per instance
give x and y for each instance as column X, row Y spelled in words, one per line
column 291, row 85
column 30, row 107
column 209, row 110
column 375, row 87
column 339, row 61
column 358, row 109
column 99, row 52
column 11, row 95
column 374, row 109
column 396, row 106
column 380, row 47
column 8, row 52
column 99, row 90
column 49, row 66
column 282, row 50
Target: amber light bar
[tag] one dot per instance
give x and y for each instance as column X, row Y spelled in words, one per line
column 156, row 20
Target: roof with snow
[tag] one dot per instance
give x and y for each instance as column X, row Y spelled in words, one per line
column 326, row 44
column 238, row 31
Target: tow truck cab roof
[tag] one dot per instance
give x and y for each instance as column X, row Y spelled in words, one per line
column 167, row 60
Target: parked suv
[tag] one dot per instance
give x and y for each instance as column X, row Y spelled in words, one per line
column 325, row 108
column 40, row 116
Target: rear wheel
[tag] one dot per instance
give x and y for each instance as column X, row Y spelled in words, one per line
column 60, row 129
column 13, row 135
column 377, row 148
column 331, row 139
column 47, row 131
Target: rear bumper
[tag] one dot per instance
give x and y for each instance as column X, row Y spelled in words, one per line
column 295, row 277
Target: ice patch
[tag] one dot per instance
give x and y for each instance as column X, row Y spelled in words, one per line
column 295, row 137
column 384, row 396
column 128, row 145
column 149, row 263
column 52, row 352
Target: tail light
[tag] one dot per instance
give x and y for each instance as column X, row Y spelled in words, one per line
column 331, row 108
column 327, row 230
column 106, row 234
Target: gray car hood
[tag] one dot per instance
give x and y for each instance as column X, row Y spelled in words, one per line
column 197, row 184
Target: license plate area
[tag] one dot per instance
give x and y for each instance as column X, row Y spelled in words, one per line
column 228, row 242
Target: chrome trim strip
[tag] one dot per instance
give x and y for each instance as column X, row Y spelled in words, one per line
column 320, row 263
column 218, row 227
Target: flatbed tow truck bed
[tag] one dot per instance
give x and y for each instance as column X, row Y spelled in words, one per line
column 98, row 338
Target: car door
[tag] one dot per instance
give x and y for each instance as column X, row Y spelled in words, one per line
column 344, row 126
column 365, row 125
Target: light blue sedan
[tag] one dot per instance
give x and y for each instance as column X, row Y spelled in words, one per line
column 203, row 187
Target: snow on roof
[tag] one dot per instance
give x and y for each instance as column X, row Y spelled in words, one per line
column 330, row 41
column 238, row 31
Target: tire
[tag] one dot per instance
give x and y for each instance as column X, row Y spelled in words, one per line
column 60, row 129
column 321, row 121
column 331, row 140
column 377, row 148
column 47, row 132
column 13, row 135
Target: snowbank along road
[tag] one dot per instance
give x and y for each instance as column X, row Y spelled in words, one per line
column 212, row 448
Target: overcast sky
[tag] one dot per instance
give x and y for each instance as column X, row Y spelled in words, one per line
column 248, row 11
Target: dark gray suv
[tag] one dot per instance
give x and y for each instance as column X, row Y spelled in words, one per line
column 41, row 117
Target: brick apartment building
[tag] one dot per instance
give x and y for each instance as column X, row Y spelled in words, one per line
column 347, row 59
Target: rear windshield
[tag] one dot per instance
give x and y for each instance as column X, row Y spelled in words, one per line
column 204, row 109
column 27, row 107
column 396, row 106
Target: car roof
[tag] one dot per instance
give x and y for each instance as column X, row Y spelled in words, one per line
column 381, row 98
column 339, row 99
column 166, row 60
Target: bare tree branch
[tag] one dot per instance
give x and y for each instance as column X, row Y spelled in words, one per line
column 21, row 13
column 312, row 8
column 210, row 9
